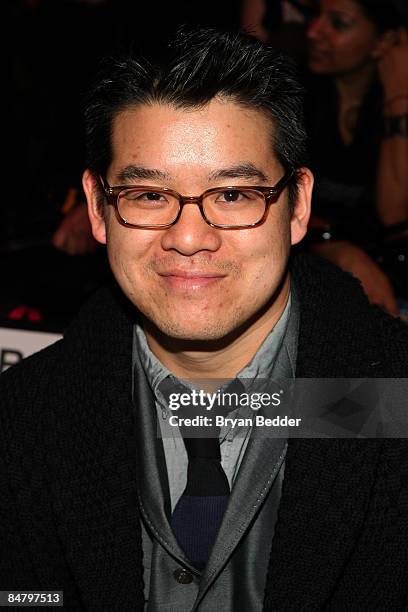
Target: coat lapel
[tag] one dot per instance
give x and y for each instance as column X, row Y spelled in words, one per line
column 258, row 471
column 328, row 482
column 153, row 486
column 325, row 498
column 92, row 466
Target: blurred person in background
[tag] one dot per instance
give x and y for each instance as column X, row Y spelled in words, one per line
column 49, row 258
column 281, row 23
column 358, row 126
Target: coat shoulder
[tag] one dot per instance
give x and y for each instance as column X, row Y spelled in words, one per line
column 22, row 386
column 341, row 333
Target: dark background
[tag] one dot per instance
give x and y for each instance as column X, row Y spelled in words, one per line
column 51, row 50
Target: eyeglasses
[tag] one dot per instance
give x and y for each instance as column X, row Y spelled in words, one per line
column 148, row 207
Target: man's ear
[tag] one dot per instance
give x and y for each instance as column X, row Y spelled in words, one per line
column 302, row 207
column 95, row 204
column 385, row 42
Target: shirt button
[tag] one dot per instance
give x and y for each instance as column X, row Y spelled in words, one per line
column 183, row 576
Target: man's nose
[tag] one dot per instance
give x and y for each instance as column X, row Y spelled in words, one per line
column 191, row 233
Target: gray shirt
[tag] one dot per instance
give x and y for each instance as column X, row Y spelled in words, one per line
column 239, row 589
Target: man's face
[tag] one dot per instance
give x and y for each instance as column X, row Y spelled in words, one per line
column 192, row 281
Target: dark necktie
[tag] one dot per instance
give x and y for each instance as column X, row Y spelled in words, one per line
column 198, row 514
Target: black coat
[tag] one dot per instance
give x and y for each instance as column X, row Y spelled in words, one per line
column 69, row 517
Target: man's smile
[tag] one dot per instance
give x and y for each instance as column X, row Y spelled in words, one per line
column 190, row 280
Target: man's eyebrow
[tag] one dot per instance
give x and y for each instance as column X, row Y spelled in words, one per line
column 132, row 173
column 245, row 170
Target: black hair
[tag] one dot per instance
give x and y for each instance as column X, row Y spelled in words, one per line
column 201, row 64
column 385, row 14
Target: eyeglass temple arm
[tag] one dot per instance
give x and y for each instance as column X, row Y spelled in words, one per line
column 284, row 181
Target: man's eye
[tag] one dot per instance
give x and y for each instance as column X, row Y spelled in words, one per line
column 232, row 195
column 145, row 196
column 152, row 196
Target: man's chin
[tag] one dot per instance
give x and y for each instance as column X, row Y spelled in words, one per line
column 196, row 333
column 183, row 334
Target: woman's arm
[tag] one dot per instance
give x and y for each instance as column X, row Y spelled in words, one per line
column 392, row 178
column 352, row 259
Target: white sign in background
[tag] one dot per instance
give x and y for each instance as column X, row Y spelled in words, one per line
column 16, row 344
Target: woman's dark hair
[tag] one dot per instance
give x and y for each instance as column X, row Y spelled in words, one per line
column 200, row 65
column 386, row 14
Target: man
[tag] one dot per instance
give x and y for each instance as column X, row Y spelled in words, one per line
column 101, row 496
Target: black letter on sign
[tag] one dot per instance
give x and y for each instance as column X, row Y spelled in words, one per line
column 9, row 357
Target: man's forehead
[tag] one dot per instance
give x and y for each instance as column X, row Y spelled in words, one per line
column 221, row 114
column 225, row 139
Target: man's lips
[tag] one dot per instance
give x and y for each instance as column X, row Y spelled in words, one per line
column 189, row 279
column 191, row 274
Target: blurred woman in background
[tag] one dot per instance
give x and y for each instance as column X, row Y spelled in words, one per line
column 358, row 125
